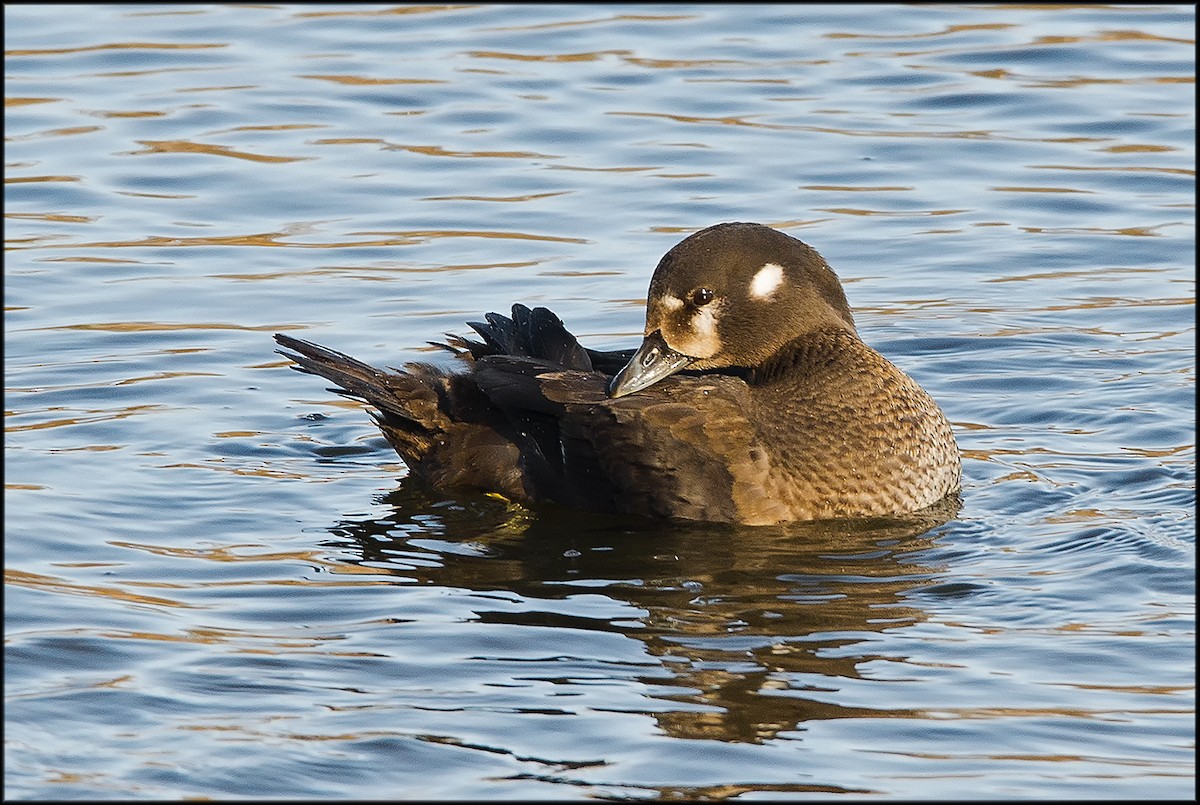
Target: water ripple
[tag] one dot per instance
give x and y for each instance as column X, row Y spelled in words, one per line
column 222, row 582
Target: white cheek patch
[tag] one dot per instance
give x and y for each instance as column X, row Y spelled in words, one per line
column 700, row 339
column 766, row 281
column 672, row 302
column 704, row 323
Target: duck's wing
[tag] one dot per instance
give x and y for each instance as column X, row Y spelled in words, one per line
column 682, row 449
column 531, row 420
column 610, row 361
column 535, row 333
column 447, row 430
column 530, row 333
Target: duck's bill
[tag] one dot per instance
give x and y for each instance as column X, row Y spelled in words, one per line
column 653, row 361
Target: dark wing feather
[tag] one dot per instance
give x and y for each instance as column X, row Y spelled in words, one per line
column 681, row 449
column 531, row 420
column 535, row 333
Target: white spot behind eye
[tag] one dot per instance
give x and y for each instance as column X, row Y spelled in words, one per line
column 766, row 281
column 672, row 302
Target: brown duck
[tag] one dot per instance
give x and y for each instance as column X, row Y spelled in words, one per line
column 751, row 400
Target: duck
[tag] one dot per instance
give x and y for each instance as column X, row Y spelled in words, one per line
column 751, row 400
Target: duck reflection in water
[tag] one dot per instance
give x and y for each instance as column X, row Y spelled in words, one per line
column 752, row 626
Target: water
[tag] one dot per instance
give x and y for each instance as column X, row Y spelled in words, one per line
column 219, row 583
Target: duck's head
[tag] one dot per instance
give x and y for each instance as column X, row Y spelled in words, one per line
column 731, row 295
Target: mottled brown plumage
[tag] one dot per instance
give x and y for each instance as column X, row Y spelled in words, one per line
column 751, row 400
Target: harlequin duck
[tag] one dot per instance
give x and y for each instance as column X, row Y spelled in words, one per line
column 751, row 400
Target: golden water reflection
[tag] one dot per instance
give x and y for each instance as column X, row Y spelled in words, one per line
column 735, row 616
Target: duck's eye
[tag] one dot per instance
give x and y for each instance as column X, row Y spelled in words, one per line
column 702, row 296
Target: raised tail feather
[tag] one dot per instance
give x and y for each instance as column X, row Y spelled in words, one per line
column 409, row 403
column 446, row 427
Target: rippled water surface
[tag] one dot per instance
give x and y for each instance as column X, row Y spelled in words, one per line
column 220, row 583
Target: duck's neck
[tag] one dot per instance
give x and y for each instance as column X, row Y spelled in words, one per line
column 806, row 354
